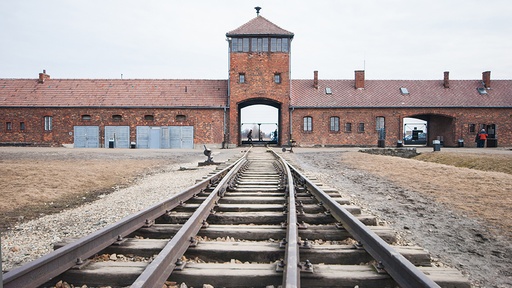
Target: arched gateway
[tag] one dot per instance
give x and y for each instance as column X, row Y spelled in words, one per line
column 259, row 73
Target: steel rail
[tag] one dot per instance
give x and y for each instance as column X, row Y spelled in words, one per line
column 396, row 265
column 42, row 270
column 159, row 270
column 291, row 277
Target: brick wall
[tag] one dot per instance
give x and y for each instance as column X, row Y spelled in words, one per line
column 451, row 124
column 208, row 123
column 259, row 70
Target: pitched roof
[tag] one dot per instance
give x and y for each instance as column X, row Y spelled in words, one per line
column 259, row 26
column 112, row 93
column 386, row 93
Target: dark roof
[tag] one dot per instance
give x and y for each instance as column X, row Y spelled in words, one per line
column 259, row 26
column 386, row 93
column 112, row 93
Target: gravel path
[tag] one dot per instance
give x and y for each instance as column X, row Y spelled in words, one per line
column 30, row 240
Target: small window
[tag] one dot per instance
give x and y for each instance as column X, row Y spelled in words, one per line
column 472, row 128
column 181, row 118
column 404, row 91
column 117, row 117
column 149, row 117
column 360, row 127
column 86, row 117
column 241, row 78
column 308, row 124
column 335, row 124
column 22, row 126
column 348, row 127
column 328, row 90
column 48, row 123
column 277, row 78
column 8, row 126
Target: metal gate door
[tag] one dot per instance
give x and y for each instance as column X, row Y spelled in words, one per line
column 120, row 135
column 182, row 137
column 165, row 137
column 86, row 137
column 142, row 136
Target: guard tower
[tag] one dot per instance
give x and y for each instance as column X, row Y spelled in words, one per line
column 259, row 73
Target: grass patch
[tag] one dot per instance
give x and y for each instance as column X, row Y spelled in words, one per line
column 493, row 163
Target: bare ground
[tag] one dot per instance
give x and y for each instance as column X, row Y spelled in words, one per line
column 461, row 215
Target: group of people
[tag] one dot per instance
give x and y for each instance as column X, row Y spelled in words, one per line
column 273, row 136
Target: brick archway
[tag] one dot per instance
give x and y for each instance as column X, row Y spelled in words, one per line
column 260, row 101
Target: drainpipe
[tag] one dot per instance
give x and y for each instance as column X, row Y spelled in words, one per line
column 291, row 129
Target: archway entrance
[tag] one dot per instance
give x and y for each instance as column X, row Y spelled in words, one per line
column 434, row 127
column 415, row 131
column 261, row 118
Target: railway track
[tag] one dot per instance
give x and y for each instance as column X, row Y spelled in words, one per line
column 255, row 222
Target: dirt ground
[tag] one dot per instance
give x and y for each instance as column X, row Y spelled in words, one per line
column 461, row 215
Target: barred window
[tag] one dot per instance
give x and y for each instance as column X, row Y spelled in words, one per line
column 472, row 128
column 360, row 128
column 348, row 127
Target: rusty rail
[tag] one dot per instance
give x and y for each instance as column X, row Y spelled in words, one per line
column 397, row 266
column 291, row 277
column 41, row 270
column 157, row 272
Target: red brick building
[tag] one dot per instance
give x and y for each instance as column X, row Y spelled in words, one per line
column 189, row 113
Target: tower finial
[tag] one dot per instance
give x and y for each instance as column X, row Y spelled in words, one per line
column 257, row 10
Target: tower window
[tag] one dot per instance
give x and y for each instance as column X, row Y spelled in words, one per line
column 8, row 126
column 241, row 78
column 181, row 118
column 149, row 117
column 117, row 117
column 279, row 44
column 259, row 45
column 86, row 117
column 277, row 78
column 22, row 126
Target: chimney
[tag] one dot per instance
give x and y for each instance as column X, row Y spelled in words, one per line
column 315, row 79
column 359, row 79
column 486, row 79
column 43, row 77
column 446, row 82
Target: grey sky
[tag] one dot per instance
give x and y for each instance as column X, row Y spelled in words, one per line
column 398, row 39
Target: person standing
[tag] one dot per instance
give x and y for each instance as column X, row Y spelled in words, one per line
column 249, row 136
column 481, row 137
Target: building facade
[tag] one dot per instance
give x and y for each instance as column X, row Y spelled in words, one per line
column 137, row 113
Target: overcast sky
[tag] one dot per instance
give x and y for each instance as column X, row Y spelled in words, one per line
column 400, row 39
